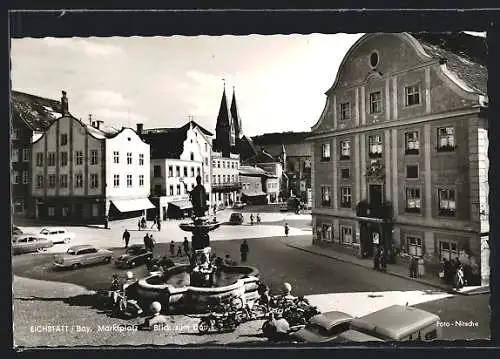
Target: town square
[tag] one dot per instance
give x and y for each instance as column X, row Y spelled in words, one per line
column 185, row 206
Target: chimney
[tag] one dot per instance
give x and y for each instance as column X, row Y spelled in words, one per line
column 98, row 124
column 64, row 104
column 140, row 127
column 90, row 120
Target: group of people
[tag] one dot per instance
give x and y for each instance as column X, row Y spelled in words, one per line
column 380, row 258
column 252, row 218
column 454, row 273
column 141, row 224
column 185, row 247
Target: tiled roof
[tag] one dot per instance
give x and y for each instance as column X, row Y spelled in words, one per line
column 252, row 171
column 168, row 142
column 37, row 112
column 262, row 157
column 246, row 148
column 465, row 56
column 277, row 138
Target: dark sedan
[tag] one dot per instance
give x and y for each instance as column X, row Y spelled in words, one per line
column 323, row 327
column 134, row 256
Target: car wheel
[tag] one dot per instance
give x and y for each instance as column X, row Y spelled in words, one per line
column 41, row 250
column 204, row 326
column 107, row 260
column 75, row 266
column 66, row 240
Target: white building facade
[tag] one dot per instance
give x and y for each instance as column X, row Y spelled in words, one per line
column 225, row 179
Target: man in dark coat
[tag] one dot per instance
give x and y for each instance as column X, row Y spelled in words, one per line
column 244, row 251
column 185, row 245
column 126, row 237
column 146, row 241
column 172, row 248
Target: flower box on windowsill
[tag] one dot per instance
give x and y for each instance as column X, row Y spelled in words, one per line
column 446, row 148
column 411, row 151
column 325, row 159
column 343, row 158
column 374, row 155
column 447, row 212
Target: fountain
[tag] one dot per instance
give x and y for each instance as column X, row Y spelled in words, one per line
column 200, row 283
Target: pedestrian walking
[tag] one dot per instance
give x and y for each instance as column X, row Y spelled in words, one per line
column 251, row 218
column 258, row 218
column 158, row 224
column 244, row 251
column 185, row 245
column 143, row 223
column 146, row 241
column 179, row 251
column 139, row 225
column 459, row 279
column 126, row 237
column 376, row 259
column 172, row 248
column 287, row 229
column 152, row 243
column 215, row 209
column 154, row 223
column 383, row 263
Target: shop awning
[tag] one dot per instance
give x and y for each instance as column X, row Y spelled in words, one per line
column 253, row 194
column 129, row 205
column 181, row 204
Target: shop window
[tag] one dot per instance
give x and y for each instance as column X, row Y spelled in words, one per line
column 415, row 247
column 446, row 139
column 65, row 211
column 346, row 235
column 95, row 210
column 326, row 232
column 51, row 211
column 448, row 250
column 412, row 144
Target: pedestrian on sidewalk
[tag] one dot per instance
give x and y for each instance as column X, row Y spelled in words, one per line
column 179, row 251
column 244, row 251
column 146, row 241
column 383, row 262
column 258, row 218
column 287, row 229
column 139, row 225
column 459, row 280
column 172, row 248
column 152, row 243
column 376, row 258
column 143, row 222
column 251, row 219
column 154, row 223
column 158, row 224
column 126, row 237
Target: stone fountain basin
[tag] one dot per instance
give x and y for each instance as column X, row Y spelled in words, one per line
column 197, row 298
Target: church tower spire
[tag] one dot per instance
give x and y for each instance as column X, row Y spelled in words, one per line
column 222, row 141
column 236, row 117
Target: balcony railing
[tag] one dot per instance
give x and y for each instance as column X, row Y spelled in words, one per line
column 227, row 186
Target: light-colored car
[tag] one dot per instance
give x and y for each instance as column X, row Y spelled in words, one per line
column 324, row 327
column 82, row 255
column 57, row 235
column 16, row 230
column 27, row 243
column 239, row 205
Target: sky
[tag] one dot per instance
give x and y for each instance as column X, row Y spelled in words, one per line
column 279, row 80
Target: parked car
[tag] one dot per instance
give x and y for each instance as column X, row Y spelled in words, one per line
column 236, row 218
column 395, row 323
column 323, row 327
column 82, row 255
column 135, row 255
column 57, row 235
column 16, row 230
column 239, row 205
column 27, row 243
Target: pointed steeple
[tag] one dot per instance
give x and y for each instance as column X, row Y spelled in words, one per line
column 236, row 117
column 283, row 157
column 223, row 126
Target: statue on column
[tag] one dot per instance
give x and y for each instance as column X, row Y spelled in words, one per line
column 198, row 198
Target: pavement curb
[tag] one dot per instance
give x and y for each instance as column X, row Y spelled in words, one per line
column 435, row 285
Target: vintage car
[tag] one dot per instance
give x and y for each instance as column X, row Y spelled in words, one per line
column 135, row 255
column 323, row 327
column 394, row 323
column 237, row 205
column 57, row 235
column 16, row 230
column 27, row 243
column 82, row 255
column 236, row 218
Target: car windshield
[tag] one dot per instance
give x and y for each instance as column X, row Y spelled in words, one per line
column 134, row 250
column 71, row 251
column 335, row 330
column 44, row 231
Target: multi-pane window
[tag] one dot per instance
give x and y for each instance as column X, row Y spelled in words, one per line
column 223, row 164
column 129, row 158
column 51, row 160
column 325, row 196
column 78, row 180
column 94, row 180
column 346, row 235
column 177, row 171
column 412, row 144
column 51, row 211
column 170, row 171
column 414, row 246
column 116, row 181
column 345, row 150
column 345, row 197
column 63, row 181
column 185, row 171
column 223, row 178
column 65, row 211
column 191, row 156
column 141, row 180
column 325, row 152
column 79, row 157
column 446, row 139
column 157, row 171
column 64, row 158
column 447, row 202
column 345, row 111
column 214, row 178
column 218, row 164
column 448, row 250
column 218, row 179
column 192, row 171
column 206, row 161
column 198, row 171
column 412, row 95
column 171, row 190
column 375, row 146
column 93, row 157
column 178, row 189
column 413, row 204
column 412, row 171
column 52, row 181
column 214, row 163
column 345, row 173
column 376, row 102
column 141, row 159
column 26, row 155
column 15, row 155
column 39, row 159
column 64, row 139
column 116, row 157
column 39, row 181
column 129, row 180
column 15, row 177
column 25, row 177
